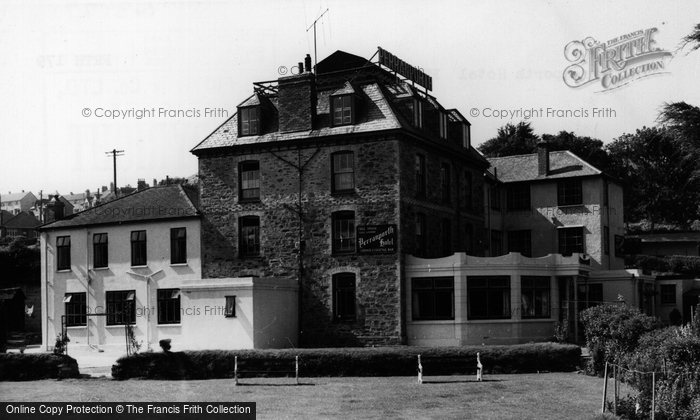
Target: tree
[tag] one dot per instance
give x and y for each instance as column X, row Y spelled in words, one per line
column 589, row 149
column 511, row 140
column 656, row 177
column 692, row 39
column 684, row 120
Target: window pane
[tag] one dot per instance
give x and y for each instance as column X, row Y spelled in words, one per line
column 433, row 298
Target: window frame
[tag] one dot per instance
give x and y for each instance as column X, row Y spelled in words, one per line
column 117, row 303
column 338, row 171
column 230, row 306
column 178, row 246
column 245, row 224
column 344, row 297
column 346, row 112
column 446, row 237
column 518, row 196
column 666, row 298
column 248, row 126
column 445, row 182
column 570, row 192
column 468, row 191
column 515, row 243
column 489, row 288
column 100, row 250
column 63, row 251
column 564, row 246
column 444, row 132
column 431, row 293
column 421, row 246
column 496, row 239
column 245, row 169
column 139, row 249
column 536, row 286
column 418, row 113
column 75, row 307
column 420, row 163
column 338, row 247
column 169, row 311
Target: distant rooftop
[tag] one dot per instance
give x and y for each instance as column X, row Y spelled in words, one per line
column 562, row 164
column 156, row 203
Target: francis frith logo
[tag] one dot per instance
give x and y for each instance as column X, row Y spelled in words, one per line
column 615, row 63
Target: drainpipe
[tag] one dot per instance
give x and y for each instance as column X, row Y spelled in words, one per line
column 46, row 287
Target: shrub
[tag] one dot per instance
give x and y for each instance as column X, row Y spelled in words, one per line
column 613, row 330
column 35, row 366
column 388, row 361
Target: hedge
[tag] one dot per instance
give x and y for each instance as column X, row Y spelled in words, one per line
column 35, row 366
column 362, row 361
column 682, row 264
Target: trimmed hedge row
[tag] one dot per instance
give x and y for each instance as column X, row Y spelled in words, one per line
column 682, row 264
column 362, row 361
column 35, row 366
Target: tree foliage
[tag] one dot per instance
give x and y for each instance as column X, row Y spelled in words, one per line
column 511, row 140
column 656, row 175
column 612, row 330
column 521, row 139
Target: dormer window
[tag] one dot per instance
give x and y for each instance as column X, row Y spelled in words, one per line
column 343, row 110
column 249, row 121
column 466, row 136
column 417, row 113
column 443, row 125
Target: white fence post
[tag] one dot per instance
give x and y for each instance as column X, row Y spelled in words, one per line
column 420, row 371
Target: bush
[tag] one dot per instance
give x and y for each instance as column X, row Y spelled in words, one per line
column 613, row 330
column 674, row 354
column 35, row 366
column 388, row 361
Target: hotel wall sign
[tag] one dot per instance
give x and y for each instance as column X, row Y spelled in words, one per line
column 372, row 239
column 396, row 64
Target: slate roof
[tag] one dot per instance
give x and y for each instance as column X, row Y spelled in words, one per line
column 156, row 203
column 562, row 164
column 380, row 110
column 6, row 216
column 24, row 220
column 5, row 198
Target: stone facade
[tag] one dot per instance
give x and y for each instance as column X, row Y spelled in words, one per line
column 294, row 153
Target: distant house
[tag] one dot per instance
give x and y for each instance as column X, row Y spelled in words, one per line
column 136, row 260
column 17, row 202
column 21, row 225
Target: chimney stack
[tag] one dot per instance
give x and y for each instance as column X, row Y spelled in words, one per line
column 543, row 158
column 54, row 209
column 297, row 101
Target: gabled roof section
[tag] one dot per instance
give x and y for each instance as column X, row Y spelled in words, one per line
column 562, row 164
column 457, row 116
column 256, row 100
column 14, row 197
column 151, row 204
column 347, row 89
column 24, row 220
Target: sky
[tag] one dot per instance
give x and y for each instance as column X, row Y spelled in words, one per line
column 76, row 74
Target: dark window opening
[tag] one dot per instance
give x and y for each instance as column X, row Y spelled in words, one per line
column 569, row 192
column 63, row 253
column 488, row 297
column 249, row 236
column 535, row 295
column 178, row 246
column 343, row 167
column 344, row 291
column 169, row 306
column 343, row 232
column 433, row 298
column 121, row 307
column 249, row 181
column 76, row 309
column 138, row 248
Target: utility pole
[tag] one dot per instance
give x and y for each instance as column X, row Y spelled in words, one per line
column 114, row 154
column 307, row 30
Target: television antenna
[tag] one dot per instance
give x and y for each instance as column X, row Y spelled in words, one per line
column 307, row 30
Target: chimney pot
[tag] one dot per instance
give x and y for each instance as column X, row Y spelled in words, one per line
column 307, row 62
column 301, row 67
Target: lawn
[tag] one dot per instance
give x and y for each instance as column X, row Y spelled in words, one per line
column 528, row 396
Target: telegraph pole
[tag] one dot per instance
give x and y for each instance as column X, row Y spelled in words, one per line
column 114, row 154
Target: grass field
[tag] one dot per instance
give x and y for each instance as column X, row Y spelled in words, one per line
column 528, row 396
